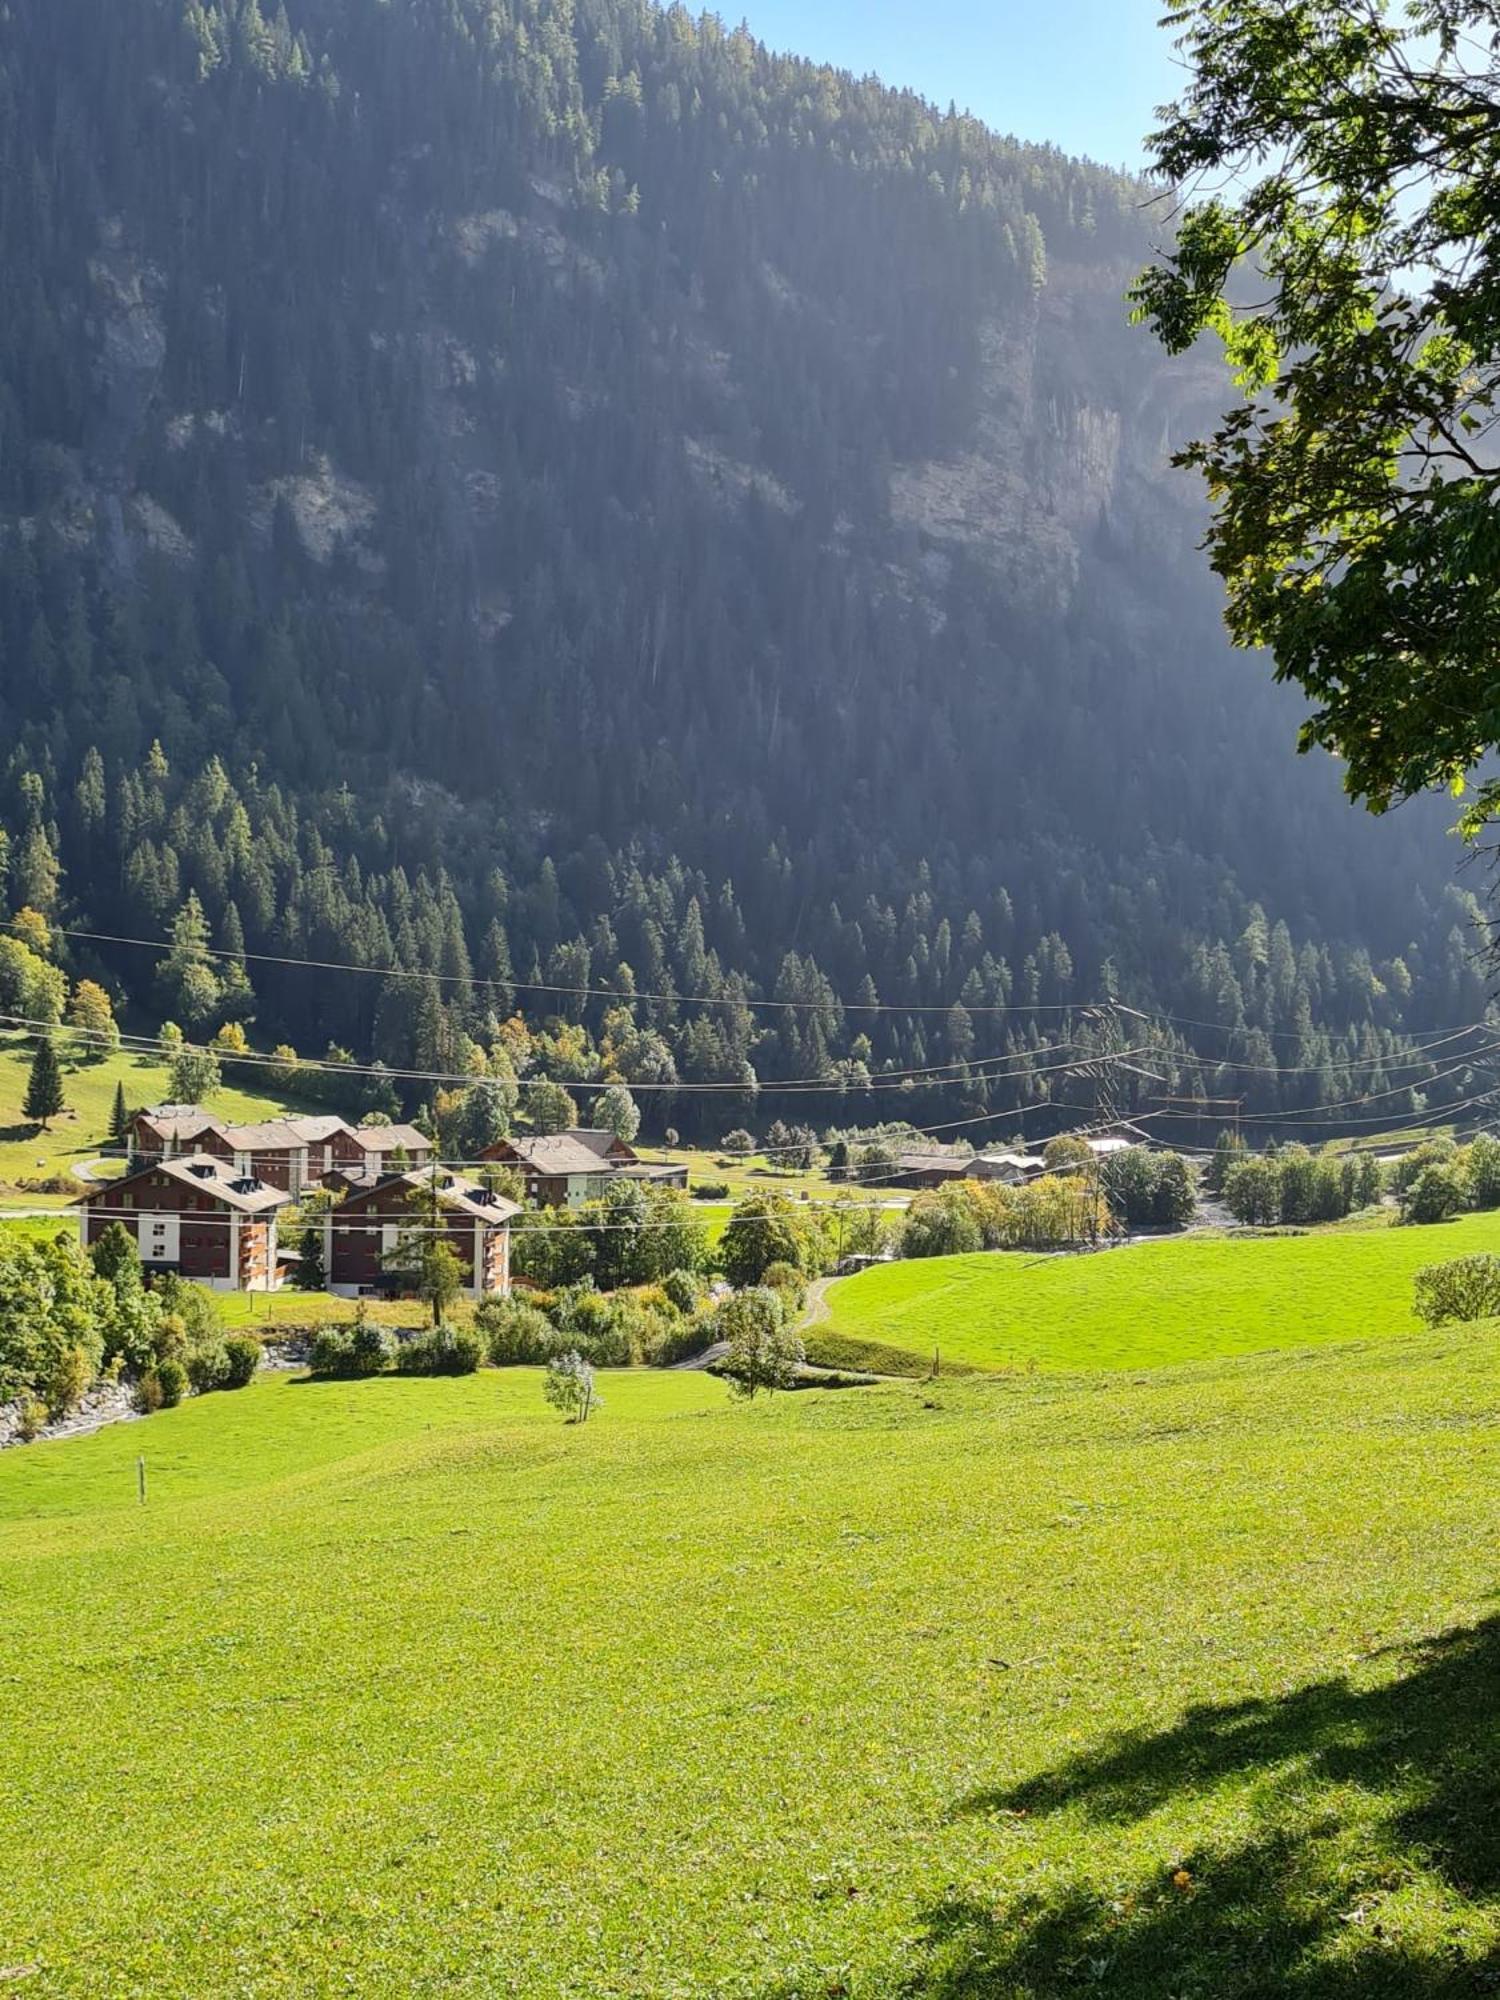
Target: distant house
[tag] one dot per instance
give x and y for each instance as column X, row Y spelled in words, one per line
column 569, row 1168
column 290, row 1153
column 925, row 1170
column 194, row 1214
column 1012, row 1168
column 1123, row 1139
column 363, row 1234
column 657, row 1173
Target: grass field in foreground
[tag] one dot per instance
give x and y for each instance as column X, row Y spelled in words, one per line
column 1182, row 1686
column 1150, row 1304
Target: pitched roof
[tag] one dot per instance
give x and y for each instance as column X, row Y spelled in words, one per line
column 204, row 1175
column 392, row 1138
column 275, row 1135
column 559, row 1154
column 453, row 1191
column 180, row 1121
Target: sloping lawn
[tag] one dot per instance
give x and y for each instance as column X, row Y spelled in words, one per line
column 1020, row 1688
column 1152, row 1304
column 83, row 1129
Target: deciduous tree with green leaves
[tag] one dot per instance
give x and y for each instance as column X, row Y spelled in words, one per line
column 1339, row 165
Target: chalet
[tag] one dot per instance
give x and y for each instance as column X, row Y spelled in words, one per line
column 290, row 1153
column 570, row 1168
column 363, row 1235
column 194, row 1214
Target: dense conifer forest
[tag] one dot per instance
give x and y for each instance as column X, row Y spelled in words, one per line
column 549, row 495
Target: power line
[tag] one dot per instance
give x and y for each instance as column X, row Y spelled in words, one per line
column 981, row 1072
column 722, row 1000
column 729, row 1000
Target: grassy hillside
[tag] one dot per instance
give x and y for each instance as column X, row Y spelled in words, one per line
column 83, row 1128
column 1152, row 1304
column 1182, row 1686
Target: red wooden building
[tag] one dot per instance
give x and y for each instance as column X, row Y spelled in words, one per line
column 290, row 1153
column 196, row 1215
column 364, row 1236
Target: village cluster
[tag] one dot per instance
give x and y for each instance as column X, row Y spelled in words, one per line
column 203, row 1198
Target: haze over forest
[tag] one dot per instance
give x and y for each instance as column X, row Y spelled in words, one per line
column 562, row 497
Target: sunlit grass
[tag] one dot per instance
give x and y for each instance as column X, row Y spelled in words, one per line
column 1153, row 1303
column 82, row 1130
column 407, row 1688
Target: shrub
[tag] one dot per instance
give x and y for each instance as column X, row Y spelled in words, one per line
column 172, row 1382
column 147, row 1395
column 1466, row 1288
column 570, row 1387
column 1483, row 1170
column 763, row 1351
column 351, row 1352
column 1437, row 1193
column 766, row 1229
column 684, row 1289
column 371, row 1348
column 687, row 1339
column 518, row 1335
column 1252, row 1192
column 192, row 1306
column 444, row 1350
column 592, row 1326
column 66, row 1379
column 655, row 1298
column 242, row 1356
column 643, row 1328
column 943, row 1223
column 1431, row 1153
column 207, row 1367
column 711, row 1191
column 330, row 1352
column 789, row 1282
column 31, row 1415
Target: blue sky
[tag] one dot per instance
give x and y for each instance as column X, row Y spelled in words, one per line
column 1084, row 74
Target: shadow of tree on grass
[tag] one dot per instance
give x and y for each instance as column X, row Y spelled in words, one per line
column 1368, row 1865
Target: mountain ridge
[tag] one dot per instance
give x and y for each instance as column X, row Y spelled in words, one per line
column 509, row 435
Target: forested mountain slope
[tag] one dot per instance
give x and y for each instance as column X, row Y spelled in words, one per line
column 525, row 489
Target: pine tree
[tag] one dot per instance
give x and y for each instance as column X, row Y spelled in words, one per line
column 44, row 1087
column 119, row 1118
column 309, row 1273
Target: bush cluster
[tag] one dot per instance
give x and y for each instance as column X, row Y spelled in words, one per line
column 67, row 1319
column 1299, row 1187
column 966, row 1216
column 632, row 1235
column 1440, row 1179
column 348, row 1353
column 1467, row 1288
column 442, row 1350
column 1147, row 1190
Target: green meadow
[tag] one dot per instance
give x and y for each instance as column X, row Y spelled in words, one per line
column 1146, row 1306
column 27, row 1153
column 1170, row 1683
